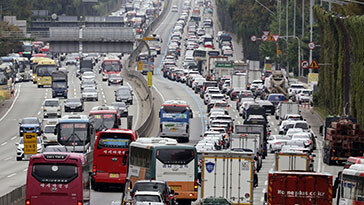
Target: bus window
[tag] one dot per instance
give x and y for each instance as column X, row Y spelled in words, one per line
column 52, row 173
column 180, row 156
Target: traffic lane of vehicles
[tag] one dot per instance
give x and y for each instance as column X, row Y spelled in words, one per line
column 28, row 103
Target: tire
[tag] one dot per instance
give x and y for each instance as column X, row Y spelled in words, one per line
column 38, row 86
column 18, row 158
column 94, row 185
column 108, row 84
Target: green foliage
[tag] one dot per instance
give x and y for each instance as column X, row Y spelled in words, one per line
column 9, row 45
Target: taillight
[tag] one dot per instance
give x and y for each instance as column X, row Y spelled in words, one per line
column 94, row 169
column 27, row 202
column 196, row 185
column 79, row 203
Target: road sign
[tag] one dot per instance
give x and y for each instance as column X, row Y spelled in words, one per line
column 304, row 64
column 253, row 38
column 148, row 38
column 265, row 33
column 30, row 143
column 150, row 74
column 270, row 38
column 140, row 65
column 314, row 64
column 264, row 38
column 311, row 45
column 276, row 37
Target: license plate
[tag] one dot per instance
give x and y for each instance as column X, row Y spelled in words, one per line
column 175, row 188
column 174, row 129
column 114, row 175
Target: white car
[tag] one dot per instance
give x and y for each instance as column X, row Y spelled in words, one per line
column 147, row 198
column 292, row 131
column 303, row 96
column 216, row 97
column 293, row 87
column 174, row 8
column 48, row 135
column 208, row 92
column 304, row 136
column 52, row 108
column 275, row 142
column 88, row 75
column 20, row 148
column 90, row 94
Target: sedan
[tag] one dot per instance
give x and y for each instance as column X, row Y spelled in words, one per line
column 88, row 84
column 20, row 148
column 90, row 94
column 115, row 80
column 275, row 142
column 124, row 94
column 73, row 105
column 122, row 108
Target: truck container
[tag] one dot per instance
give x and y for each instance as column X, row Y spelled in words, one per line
column 240, row 67
column 222, row 69
column 254, row 75
column 293, row 161
column 287, row 108
column 343, row 138
column 59, row 84
column 304, row 188
column 228, row 174
column 239, row 80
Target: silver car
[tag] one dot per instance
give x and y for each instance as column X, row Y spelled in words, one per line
column 52, row 108
column 89, row 93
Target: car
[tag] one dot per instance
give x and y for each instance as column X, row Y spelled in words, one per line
column 174, row 8
column 304, row 136
column 88, row 75
column 88, row 84
column 223, row 105
column 20, row 148
column 73, row 105
column 48, row 135
column 303, row 96
column 153, row 185
column 71, row 59
column 30, row 125
column 56, row 148
column 52, row 108
column 147, row 197
column 124, row 94
column 122, row 108
column 115, row 79
column 209, row 91
column 275, row 142
column 89, row 93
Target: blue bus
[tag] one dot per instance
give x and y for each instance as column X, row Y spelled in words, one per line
column 175, row 120
column 76, row 133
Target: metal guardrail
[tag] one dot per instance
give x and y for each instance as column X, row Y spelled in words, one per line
column 18, row 195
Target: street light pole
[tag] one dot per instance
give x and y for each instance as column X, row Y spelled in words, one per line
column 312, row 2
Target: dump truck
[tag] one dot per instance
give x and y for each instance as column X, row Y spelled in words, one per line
column 228, row 174
column 277, row 83
column 342, row 138
column 304, row 188
column 59, row 84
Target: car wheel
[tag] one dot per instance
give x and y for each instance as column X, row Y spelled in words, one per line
column 108, row 84
column 18, row 158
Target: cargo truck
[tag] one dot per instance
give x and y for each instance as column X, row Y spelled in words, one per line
column 59, row 84
column 293, row 161
column 239, row 81
column 228, row 174
column 343, row 138
column 287, row 108
column 222, row 69
column 303, row 188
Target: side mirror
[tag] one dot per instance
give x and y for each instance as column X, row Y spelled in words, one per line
column 17, row 144
column 281, row 133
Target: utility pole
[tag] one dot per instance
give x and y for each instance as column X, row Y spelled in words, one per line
column 279, row 16
column 303, row 18
column 287, row 33
column 294, row 17
column 312, row 2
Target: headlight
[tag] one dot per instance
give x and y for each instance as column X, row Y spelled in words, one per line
column 44, row 110
column 21, row 130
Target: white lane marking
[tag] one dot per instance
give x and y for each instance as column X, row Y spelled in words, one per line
column 11, row 175
column 12, row 105
column 39, row 111
column 266, row 182
column 264, row 190
column 13, row 138
column 4, row 143
column 262, row 199
column 25, row 170
column 159, row 93
column 7, row 159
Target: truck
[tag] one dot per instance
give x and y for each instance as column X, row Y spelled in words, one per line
column 240, row 66
column 277, row 83
column 59, row 84
column 287, row 108
column 252, row 131
column 304, row 188
column 239, row 80
column 342, row 138
column 222, row 68
column 254, row 75
column 228, row 174
column 293, row 161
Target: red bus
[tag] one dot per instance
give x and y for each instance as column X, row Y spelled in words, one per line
column 110, row 66
column 104, row 118
column 110, row 161
column 58, row 178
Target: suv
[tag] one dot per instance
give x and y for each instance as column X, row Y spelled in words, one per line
column 153, row 185
column 30, row 125
column 147, row 197
column 52, row 108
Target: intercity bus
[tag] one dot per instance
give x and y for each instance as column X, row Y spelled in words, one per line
column 163, row 159
column 75, row 133
column 44, row 70
column 33, row 65
column 351, row 188
column 109, row 66
column 58, row 179
column 104, row 118
column 175, row 120
column 110, row 161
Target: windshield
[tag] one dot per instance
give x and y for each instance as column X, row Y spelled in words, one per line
column 274, row 98
column 149, row 186
column 175, row 156
column 55, row 173
column 301, row 125
column 51, row 103
column 49, row 129
column 59, row 84
column 102, row 121
column 111, row 66
column 30, row 121
column 174, row 109
column 147, row 198
column 28, row 48
column 46, row 70
column 74, row 100
column 114, row 140
column 123, row 92
column 73, row 133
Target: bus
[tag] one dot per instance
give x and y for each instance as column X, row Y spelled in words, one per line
column 58, row 178
column 104, row 118
column 27, row 51
column 175, row 120
column 44, row 70
column 76, row 133
column 163, row 159
column 33, row 65
column 110, row 157
column 351, row 187
column 110, row 66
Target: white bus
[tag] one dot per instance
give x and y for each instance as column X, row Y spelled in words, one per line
column 163, row 159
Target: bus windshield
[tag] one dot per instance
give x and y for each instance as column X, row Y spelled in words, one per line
column 59, row 84
column 199, row 53
column 101, row 121
column 55, row 173
column 175, row 156
column 114, row 140
column 111, row 66
column 46, row 70
column 73, row 133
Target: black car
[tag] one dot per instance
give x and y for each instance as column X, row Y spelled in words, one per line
column 124, row 94
column 153, row 185
column 122, row 108
column 73, row 105
column 115, row 80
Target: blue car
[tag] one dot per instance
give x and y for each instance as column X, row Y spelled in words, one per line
column 30, row 125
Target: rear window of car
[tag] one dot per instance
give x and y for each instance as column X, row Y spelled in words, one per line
column 150, row 186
